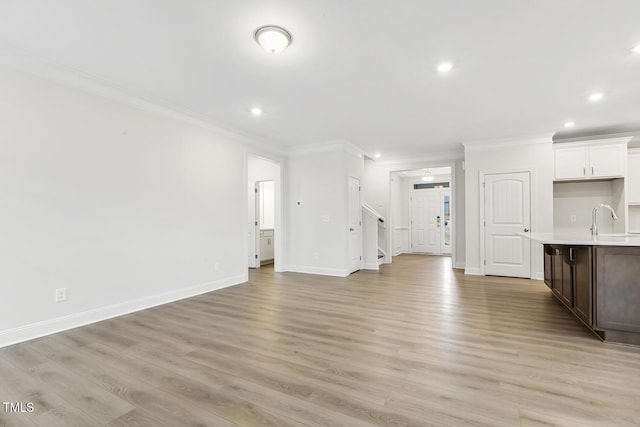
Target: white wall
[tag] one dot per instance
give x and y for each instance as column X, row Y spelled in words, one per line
column 380, row 193
column 579, row 199
column 124, row 208
column 399, row 200
column 261, row 169
column 317, row 231
column 376, row 187
column 533, row 154
column 399, row 215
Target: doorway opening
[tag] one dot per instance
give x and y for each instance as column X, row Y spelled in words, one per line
column 423, row 220
column 264, row 231
column 265, row 212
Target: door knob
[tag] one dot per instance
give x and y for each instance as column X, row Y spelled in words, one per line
column 526, row 230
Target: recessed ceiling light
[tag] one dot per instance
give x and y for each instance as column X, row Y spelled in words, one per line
column 569, row 124
column 636, row 49
column 595, row 96
column 428, row 178
column 256, row 111
column 377, row 155
column 272, row 38
column 445, row 67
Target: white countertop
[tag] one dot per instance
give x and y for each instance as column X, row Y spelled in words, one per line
column 584, row 239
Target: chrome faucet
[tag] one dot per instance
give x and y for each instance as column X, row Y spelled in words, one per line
column 594, row 215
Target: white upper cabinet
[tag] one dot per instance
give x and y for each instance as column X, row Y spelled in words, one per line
column 633, row 177
column 607, row 160
column 571, row 163
column 592, row 160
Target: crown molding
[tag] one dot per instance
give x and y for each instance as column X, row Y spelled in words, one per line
column 594, row 141
column 515, row 141
column 424, row 158
column 324, row 147
column 75, row 78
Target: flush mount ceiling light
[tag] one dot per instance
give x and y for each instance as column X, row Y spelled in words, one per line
column 595, row 96
column 377, row 155
column 428, row 177
column 256, row 111
column 445, row 67
column 569, row 124
column 272, row 38
column 636, row 49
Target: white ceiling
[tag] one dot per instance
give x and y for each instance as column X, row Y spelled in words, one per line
column 359, row 70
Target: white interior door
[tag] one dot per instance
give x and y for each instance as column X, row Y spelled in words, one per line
column 355, row 225
column 252, row 227
column 507, row 210
column 425, row 228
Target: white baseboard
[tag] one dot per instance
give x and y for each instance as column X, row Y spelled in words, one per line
column 460, row 266
column 538, row 276
column 335, row 272
column 48, row 327
column 473, row 271
column 370, row 266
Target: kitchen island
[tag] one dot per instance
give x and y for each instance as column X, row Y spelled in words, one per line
column 597, row 279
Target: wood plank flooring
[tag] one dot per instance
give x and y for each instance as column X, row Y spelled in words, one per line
column 416, row 344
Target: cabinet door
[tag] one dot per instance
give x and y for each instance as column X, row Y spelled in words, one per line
column 607, row 161
column 617, row 273
column 581, row 277
column 566, row 288
column 570, row 163
column 557, row 271
column 548, row 266
column 632, row 181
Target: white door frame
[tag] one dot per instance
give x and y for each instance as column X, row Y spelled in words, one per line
column 278, row 235
column 359, row 226
column 258, row 212
column 534, row 225
column 446, row 192
column 254, row 259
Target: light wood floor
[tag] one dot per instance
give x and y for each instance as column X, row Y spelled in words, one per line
column 416, row 344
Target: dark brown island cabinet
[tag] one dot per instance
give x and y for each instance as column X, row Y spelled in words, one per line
column 600, row 285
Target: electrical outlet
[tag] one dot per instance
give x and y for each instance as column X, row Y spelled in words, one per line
column 61, row 294
column 572, row 218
